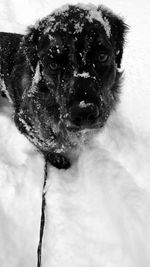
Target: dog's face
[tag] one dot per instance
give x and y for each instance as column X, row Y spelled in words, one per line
column 66, row 76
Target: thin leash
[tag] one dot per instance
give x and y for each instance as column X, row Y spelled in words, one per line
column 59, row 162
column 42, row 223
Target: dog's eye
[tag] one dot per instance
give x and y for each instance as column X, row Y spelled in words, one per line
column 53, row 66
column 103, row 58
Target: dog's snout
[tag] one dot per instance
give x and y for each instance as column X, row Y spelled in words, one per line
column 83, row 104
column 84, row 89
column 84, row 114
column 85, row 85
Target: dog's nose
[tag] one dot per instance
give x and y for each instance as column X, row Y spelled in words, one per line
column 84, row 114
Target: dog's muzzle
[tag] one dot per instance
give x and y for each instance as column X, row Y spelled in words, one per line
column 83, row 107
column 84, row 114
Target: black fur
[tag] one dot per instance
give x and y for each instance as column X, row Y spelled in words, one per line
column 63, row 77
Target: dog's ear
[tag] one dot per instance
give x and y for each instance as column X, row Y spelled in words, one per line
column 9, row 45
column 30, row 47
column 18, row 61
column 117, row 34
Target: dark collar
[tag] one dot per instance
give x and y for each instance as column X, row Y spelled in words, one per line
column 59, row 161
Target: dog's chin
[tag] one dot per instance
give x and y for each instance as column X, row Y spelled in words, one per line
column 77, row 139
column 78, row 136
column 86, row 126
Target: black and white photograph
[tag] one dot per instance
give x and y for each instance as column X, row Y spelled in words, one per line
column 74, row 133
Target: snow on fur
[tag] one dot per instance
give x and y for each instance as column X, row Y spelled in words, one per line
column 93, row 14
column 101, row 207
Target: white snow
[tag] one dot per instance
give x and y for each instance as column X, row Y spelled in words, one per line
column 84, row 74
column 98, row 212
column 94, row 14
column 83, row 104
column 21, row 179
column 79, row 27
column 36, row 79
column 4, row 90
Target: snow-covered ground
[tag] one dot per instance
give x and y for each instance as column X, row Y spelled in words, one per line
column 98, row 212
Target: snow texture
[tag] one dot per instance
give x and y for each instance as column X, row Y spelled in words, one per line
column 21, row 178
column 84, row 74
column 98, row 212
column 4, row 90
column 93, row 14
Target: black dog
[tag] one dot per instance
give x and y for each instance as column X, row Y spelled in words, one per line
column 62, row 77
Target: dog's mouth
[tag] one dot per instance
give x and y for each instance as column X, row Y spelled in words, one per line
column 83, row 115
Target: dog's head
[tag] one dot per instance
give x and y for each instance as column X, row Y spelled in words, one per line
column 65, row 78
